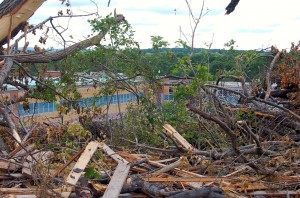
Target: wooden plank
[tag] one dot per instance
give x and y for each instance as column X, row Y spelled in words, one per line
column 237, row 171
column 79, row 167
column 117, row 181
column 112, row 154
column 182, row 173
column 174, row 134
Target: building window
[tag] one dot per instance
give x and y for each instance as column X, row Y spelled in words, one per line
column 171, row 91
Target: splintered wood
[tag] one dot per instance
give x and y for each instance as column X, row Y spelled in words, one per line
column 176, row 136
column 120, row 174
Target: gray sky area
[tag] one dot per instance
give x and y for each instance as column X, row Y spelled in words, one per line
column 255, row 24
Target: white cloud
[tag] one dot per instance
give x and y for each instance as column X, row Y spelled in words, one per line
column 254, row 24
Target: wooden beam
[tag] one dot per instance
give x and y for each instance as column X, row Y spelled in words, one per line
column 117, row 181
column 79, row 167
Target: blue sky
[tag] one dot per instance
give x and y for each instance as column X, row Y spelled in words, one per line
column 255, row 24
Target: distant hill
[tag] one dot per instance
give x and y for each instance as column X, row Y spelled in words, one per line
column 186, row 51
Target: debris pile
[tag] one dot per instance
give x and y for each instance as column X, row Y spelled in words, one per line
column 166, row 172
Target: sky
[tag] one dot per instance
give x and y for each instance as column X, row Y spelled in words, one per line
column 255, row 24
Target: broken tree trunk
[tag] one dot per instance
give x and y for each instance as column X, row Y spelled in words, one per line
column 58, row 55
column 13, row 16
column 207, row 192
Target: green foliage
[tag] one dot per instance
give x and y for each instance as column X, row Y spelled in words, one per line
column 78, row 131
column 120, row 33
column 90, row 173
column 121, row 54
column 158, row 42
column 142, row 123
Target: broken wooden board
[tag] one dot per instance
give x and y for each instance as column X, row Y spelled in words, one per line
column 79, row 167
column 112, row 154
column 118, row 179
column 178, row 138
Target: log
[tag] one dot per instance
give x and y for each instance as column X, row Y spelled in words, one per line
column 61, row 54
column 207, row 192
column 14, row 14
column 182, row 162
column 151, row 189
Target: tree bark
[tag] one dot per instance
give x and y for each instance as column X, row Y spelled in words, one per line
column 54, row 56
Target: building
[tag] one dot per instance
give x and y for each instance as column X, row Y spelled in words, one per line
column 41, row 111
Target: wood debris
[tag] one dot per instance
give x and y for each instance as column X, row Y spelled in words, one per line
column 128, row 174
